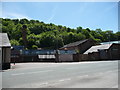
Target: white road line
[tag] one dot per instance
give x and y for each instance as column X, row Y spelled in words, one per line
column 83, row 76
column 72, row 68
column 31, row 72
column 58, row 82
column 18, row 74
column 43, row 83
column 64, row 80
column 115, row 86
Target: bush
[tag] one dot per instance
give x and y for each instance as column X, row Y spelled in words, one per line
column 98, row 41
column 14, row 42
column 34, row 47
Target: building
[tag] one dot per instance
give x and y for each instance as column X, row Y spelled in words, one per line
column 5, row 51
column 102, row 52
column 79, row 46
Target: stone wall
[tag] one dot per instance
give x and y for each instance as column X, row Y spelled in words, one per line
column 65, row 57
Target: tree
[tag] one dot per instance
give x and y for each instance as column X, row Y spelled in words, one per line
column 97, row 35
column 88, row 29
column 58, row 42
column 31, row 40
column 86, row 33
column 34, row 47
column 34, row 33
column 47, row 40
column 23, row 21
column 80, row 36
column 79, row 29
column 14, row 42
column 118, row 35
column 16, row 21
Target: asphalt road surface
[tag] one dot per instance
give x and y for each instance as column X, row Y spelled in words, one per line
column 100, row 74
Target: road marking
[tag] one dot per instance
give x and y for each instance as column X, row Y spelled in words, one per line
column 31, row 72
column 115, row 86
column 83, row 76
column 73, row 68
column 64, row 79
column 18, row 74
column 43, row 83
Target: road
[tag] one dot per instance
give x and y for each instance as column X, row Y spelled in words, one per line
column 99, row 74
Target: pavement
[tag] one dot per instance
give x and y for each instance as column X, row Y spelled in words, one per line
column 97, row 74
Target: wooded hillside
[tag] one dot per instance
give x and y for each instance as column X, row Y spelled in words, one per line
column 51, row 36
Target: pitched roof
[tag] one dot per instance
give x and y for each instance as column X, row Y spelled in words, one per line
column 4, row 41
column 96, row 48
column 74, row 43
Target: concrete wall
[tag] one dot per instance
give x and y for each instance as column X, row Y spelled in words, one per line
column 65, row 57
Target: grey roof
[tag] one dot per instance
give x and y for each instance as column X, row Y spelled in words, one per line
column 74, row 43
column 96, row 48
column 4, row 41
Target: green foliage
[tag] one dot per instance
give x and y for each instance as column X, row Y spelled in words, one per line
column 41, row 35
column 14, row 42
column 118, row 35
column 34, row 47
column 79, row 29
column 97, row 41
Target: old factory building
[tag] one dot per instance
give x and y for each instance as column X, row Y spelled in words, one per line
column 80, row 46
column 102, row 52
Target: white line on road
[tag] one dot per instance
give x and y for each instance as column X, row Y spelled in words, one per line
column 54, row 83
column 72, row 68
column 43, row 83
column 83, row 76
column 64, row 80
column 18, row 74
column 31, row 72
column 115, row 86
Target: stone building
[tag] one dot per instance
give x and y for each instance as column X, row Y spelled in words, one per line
column 101, row 52
column 5, row 51
column 79, row 46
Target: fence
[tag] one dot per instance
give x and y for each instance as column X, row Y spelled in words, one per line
column 41, row 55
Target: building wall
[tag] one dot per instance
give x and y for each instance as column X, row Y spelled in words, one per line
column 114, row 51
column 6, row 54
column 87, row 57
column 0, row 58
column 82, row 47
column 94, row 56
column 65, row 57
column 86, row 45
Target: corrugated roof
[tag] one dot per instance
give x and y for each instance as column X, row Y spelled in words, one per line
column 95, row 48
column 74, row 43
column 4, row 41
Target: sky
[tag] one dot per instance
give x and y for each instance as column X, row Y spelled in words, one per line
column 93, row 15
